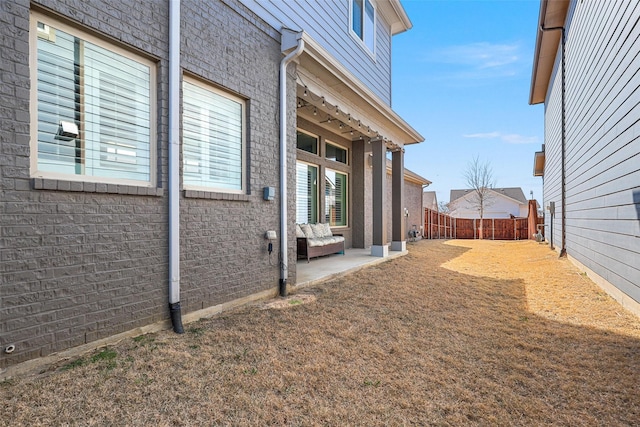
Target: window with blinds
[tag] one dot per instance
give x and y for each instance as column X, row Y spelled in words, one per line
column 335, row 193
column 306, row 193
column 213, row 144
column 94, row 108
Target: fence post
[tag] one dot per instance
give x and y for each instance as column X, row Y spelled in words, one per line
column 445, row 227
column 426, row 222
column 493, row 229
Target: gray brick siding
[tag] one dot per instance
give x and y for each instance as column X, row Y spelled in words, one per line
column 82, row 261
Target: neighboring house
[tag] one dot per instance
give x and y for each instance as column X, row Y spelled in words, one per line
column 413, row 185
column 430, row 201
column 143, row 163
column 591, row 156
column 499, row 203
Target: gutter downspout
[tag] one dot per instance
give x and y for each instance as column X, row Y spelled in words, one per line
column 563, row 193
column 290, row 39
column 174, row 166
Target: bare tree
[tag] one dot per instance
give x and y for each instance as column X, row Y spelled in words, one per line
column 479, row 176
column 443, row 207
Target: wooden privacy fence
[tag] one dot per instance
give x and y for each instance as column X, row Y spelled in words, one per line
column 438, row 225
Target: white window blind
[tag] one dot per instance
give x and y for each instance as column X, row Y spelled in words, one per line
column 213, row 139
column 106, row 95
column 335, row 198
column 306, row 193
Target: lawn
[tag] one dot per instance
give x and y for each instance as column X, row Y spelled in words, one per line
column 455, row 333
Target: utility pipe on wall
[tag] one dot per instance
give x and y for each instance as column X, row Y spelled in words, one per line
column 563, row 190
column 288, row 37
column 174, row 166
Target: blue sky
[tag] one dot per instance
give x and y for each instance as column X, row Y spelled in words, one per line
column 461, row 78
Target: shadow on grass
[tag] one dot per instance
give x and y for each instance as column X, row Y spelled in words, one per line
column 401, row 343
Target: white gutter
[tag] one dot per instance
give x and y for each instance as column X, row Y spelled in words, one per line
column 174, row 166
column 289, row 40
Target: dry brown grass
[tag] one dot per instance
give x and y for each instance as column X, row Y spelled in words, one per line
column 457, row 333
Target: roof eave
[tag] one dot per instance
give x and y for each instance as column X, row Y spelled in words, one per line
column 315, row 51
column 394, row 13
column 553, row 13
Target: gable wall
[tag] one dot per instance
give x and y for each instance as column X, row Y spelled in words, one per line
column 327, row 22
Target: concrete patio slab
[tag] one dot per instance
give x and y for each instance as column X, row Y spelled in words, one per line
column 329, row 267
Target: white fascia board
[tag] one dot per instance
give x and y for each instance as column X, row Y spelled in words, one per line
column 395, row 15
column 504, row 196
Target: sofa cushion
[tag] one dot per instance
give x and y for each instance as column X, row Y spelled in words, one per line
column 315, row 242
column 307, row 231
column 327, row 229
column 299, row 232
column 324, row 241
column 318, row 230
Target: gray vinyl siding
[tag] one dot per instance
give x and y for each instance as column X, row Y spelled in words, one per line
column 603, row 150
column 327, row 22
column 553, row 158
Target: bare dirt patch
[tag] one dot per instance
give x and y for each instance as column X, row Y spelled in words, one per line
column 456, row 333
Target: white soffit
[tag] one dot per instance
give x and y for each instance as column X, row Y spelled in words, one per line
column 553, row 13
column 394, row 13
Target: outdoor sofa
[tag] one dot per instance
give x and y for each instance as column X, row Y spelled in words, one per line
column 315, row 240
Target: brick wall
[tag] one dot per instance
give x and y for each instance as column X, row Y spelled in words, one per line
column 413, row 202
column 80, row 262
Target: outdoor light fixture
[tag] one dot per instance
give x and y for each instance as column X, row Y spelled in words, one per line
column 305, row 91
column 323, row 104
column 337, row 111
column 315, row 111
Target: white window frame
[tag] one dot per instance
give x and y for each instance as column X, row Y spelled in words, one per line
column 243, row 119
column 50, row 22
column 362, row 41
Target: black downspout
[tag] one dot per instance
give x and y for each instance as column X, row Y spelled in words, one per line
column 176, row 317
column 563, row 250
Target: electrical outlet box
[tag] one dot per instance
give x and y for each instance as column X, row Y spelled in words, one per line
column 269, row 193
column 270, row 235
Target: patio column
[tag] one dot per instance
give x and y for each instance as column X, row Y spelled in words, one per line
column 398, row 218
column 380, row 248
column 358, row 204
